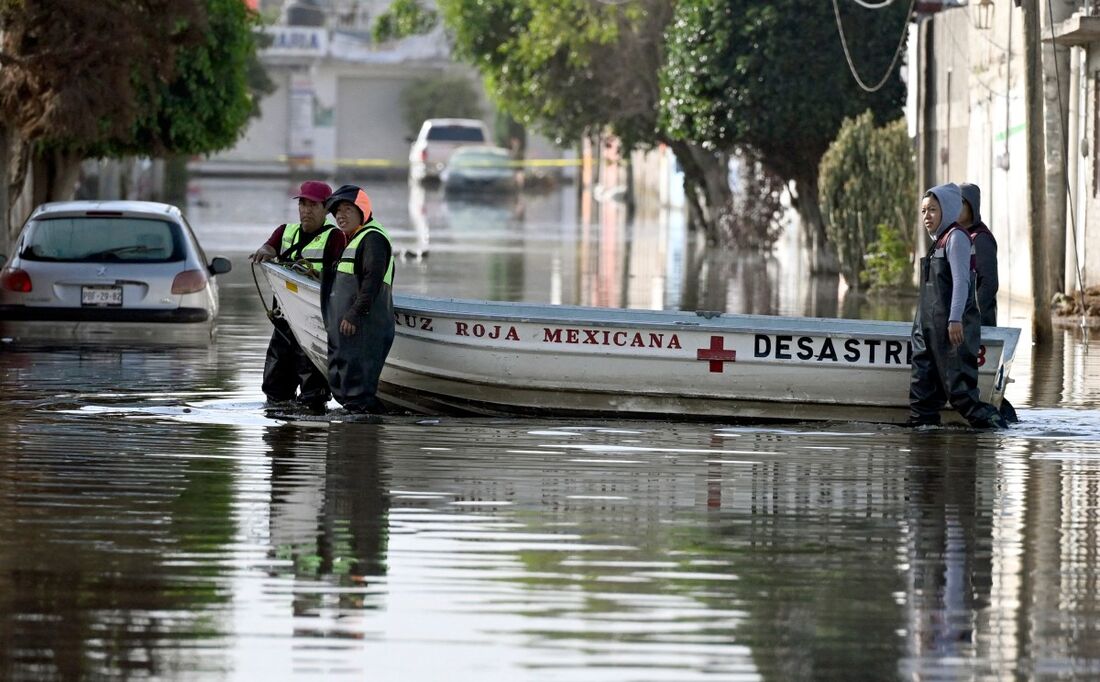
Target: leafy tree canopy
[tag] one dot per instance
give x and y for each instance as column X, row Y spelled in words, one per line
column 146, row 77
column 566, row 66
column 772, row 76
column 204, row 108
column 72, row 71
column 404, row 18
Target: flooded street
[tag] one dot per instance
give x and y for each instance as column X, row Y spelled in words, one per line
column 159, row 524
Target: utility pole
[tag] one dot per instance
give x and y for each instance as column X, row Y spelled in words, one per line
column 1041, row 333
column 1056, row 79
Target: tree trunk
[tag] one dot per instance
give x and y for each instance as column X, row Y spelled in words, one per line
column 823, row 256
column 20, row 201
column 706, row 191
column 55, row 176
column 7, row 238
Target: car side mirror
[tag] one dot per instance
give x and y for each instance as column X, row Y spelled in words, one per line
column 220, row 266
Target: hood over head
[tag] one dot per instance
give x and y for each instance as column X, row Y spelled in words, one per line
column 950, row 199
column 972, row 194
column 354, row 195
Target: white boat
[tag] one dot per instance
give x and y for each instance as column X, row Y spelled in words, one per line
column 468, row 357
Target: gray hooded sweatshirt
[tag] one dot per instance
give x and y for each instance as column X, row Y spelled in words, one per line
column 958, row 246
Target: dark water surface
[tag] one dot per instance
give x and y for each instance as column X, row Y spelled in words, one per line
column 158, row 524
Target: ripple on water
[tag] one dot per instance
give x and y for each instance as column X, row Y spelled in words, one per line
column 153, row 506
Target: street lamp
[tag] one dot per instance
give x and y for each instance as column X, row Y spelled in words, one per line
column 983, row 14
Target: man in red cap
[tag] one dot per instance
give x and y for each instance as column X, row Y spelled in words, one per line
column 313, row 240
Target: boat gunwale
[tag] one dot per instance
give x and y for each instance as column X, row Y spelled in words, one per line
column 674, row 320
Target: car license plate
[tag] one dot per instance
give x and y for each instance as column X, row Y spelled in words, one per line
column 100, row 296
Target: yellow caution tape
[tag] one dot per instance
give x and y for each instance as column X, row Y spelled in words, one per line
column 387, row 163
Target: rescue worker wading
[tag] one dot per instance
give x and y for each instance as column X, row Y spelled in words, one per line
column 358, row 311
column 947, row 329
column 287, row 369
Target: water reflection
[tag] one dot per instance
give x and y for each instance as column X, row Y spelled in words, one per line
column 948, row 552
column 158, row 524
column 112, row 548
column 329, row 525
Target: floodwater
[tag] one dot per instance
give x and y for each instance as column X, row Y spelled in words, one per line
column 158, row 524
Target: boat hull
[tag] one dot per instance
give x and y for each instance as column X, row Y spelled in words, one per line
column 488, row 358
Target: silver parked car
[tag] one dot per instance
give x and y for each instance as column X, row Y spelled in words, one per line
column 481, row 169
column 127, row 270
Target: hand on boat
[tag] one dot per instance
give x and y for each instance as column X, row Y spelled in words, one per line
column 263, row 253
column 955, row 333
column 346, row 328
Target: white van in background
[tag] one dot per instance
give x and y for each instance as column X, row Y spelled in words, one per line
column 438, row 139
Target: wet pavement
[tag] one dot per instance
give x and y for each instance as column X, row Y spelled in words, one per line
column 159, row 523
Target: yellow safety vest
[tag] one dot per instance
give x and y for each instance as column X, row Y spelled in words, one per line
column 314, row 251
column 347, row 260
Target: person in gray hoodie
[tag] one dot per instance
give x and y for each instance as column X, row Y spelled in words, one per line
column 947, row 326
column 985, row 266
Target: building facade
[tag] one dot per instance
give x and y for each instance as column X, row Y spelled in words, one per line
column 967, row 113
column 337, row 108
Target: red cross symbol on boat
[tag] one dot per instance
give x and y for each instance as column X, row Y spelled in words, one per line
column 716, row 354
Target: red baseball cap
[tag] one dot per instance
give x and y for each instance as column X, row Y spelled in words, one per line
column 314, row 190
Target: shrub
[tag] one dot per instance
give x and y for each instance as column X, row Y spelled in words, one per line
column 439, row 97
column 889, row 265
column 868, row 199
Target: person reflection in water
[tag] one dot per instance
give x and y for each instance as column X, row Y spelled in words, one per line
column 950, row 566
column 357, row 503
column 329, row 509
column 947, row 329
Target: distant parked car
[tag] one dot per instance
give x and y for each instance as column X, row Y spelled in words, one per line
column 438, row 139
column 480, row 170
column 85, row 270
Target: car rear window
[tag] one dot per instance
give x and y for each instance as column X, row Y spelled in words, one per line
column 456, row 134
column 99, row 239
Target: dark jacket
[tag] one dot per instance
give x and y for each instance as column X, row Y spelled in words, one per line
column 985, row 256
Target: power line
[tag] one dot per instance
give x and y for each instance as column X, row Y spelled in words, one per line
column 874, row 5
column 893, row 62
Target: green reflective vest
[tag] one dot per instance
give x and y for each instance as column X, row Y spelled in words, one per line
column 314, row 251
column 347, row 260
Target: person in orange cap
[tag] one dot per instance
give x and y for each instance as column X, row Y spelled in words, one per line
column 358, row 311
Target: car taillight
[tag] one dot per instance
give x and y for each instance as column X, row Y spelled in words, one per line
column 14, row 279
column 189, row 281
column 424, row 155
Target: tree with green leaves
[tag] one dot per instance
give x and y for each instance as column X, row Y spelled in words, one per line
column 130, row 77
column 404, row 18
column 438, row 97
column 868, row 189
column 774, row 78
column 577, row 68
